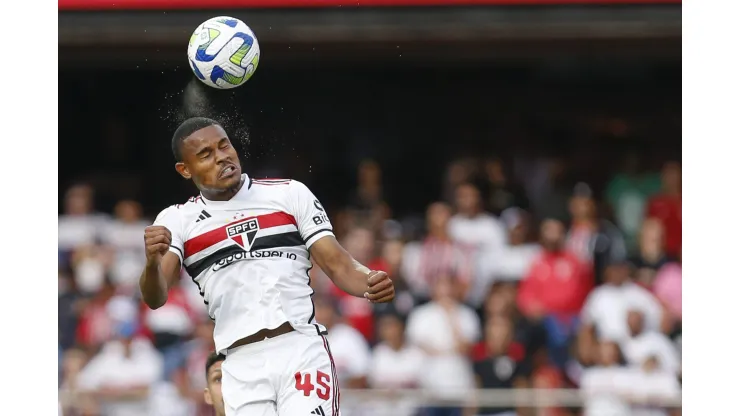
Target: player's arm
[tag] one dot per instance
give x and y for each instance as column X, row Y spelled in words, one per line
column 348, row 274
column 316, row 231
column 163, row 259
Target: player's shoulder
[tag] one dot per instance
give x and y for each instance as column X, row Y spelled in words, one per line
column 193, row 204
column 270, row 183
column 277, row 187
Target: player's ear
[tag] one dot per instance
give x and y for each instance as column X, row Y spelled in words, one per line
column 207, row 396
column 182, row 170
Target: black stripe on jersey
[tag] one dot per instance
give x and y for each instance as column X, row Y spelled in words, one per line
column 178, row 249
column 291, row 239
column 316, row 232
column 201, row 265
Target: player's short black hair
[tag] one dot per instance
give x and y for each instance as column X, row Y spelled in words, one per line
column 187, row 128
column 213, row 358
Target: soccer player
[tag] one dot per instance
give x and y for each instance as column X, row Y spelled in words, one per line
column 212, row 393
column 246, row 243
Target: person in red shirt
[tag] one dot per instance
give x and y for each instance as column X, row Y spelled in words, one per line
column 558, row 281
column 554, row 290
column 666, row 207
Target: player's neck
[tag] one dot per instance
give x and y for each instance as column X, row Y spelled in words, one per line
column 224, row 195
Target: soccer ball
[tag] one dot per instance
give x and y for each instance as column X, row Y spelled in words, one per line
column 223, row 52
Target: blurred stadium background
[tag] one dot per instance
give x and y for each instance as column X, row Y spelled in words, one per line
column 514, row 165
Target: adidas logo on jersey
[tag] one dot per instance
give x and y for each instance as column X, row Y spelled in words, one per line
column 203, row 215
column 318, row 411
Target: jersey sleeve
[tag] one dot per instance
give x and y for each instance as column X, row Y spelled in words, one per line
column 171, row 218
column 311, row 218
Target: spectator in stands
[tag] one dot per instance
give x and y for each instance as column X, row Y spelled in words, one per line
column 90, row 266
column 502, row 368
column 171, row 396
column 668, row 289
column 72, row 362
column 170, row 326
column 79, row 225
column 643, row 345
column 368, row 206
column 445, row 329
column 349, row 348
column 120, row 376
column 610, row 385
column 95, row 322
column 606, row 382
column 516, row 257
column 123, row 237
column 651, row 256
column 395, row 363
column 666, row 207
column 529, row 337
column 628, row 193
column 70, row 304
column 458, row 172
column 594, row 240
column 607, row 307
column 437, row 254
column 554, row 290
column 500, row 192
column 357, row 312
column 478, row 231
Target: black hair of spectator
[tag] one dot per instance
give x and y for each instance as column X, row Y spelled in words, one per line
column 213, row 358
column 187, row 128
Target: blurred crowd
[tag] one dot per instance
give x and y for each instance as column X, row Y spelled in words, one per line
column 512, row 279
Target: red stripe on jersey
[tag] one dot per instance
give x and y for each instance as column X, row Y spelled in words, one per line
column 210, row 238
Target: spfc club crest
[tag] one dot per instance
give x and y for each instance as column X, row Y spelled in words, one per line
column 243, row 233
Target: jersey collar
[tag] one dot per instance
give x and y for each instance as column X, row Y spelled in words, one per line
column 240, row 196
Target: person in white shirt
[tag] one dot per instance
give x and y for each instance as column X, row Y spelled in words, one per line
column 605, row 313
column 395, row 365
column 79, row 226
column 123, row 236
column 120, row 376
column 477, row 230
column 445, row 330
column 514, row 260
column 643, row 345
column 248, row 245
column 613, row 389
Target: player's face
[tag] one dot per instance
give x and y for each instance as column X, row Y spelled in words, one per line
column 212, row 393
column 210, row 160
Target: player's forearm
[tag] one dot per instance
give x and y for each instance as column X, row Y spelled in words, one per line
column 352, row 279
column 153, row 286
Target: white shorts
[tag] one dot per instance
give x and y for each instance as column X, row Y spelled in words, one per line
column 289, row 375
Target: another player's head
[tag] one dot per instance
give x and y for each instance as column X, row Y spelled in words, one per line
column 204, row 154
column 212, row 393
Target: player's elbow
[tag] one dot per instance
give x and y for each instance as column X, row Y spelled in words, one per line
column 153, row 300
column 154, row 303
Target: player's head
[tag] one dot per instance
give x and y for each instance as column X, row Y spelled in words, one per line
column 204, row 154
column 212, row 393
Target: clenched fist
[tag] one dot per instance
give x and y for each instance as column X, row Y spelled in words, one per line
column 379, row 287
column 157, row 241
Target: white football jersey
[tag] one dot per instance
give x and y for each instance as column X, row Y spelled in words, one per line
column 249, row 255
